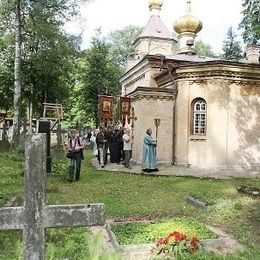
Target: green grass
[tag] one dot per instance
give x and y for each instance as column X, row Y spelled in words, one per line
column 63, row 243
column 136, row 196
column 11, row 179
column 148, row 232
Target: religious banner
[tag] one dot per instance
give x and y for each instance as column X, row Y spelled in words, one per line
column 125, row 108
column 105, row 109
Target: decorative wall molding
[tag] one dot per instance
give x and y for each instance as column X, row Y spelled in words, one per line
column 152, row 93
column 229, row 75
column 132, row 82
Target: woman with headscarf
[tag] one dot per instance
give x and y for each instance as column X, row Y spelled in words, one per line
column 149, row 162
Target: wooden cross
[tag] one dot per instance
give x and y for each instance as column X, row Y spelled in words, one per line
column 35, row 216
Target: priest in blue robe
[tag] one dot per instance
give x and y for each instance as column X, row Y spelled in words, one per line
column 149, row 163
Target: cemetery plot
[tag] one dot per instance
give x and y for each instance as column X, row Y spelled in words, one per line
column 149, row 232
column 147, row 237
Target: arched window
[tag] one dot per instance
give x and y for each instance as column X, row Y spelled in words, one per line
column 199, row 112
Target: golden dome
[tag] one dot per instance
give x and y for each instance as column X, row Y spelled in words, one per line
column 155, row 4
column 187, row 23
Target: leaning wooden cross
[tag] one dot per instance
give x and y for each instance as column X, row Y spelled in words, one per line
column 35, row 216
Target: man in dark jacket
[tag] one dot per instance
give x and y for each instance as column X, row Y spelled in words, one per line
column 101, row 144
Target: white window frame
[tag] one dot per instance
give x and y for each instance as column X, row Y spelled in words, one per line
column 199, row 117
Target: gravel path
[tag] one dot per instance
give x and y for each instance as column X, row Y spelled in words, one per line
column 169, row 170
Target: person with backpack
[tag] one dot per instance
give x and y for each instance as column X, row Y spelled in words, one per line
column 75, row 153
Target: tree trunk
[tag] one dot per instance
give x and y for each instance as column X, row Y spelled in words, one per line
column 17, row 75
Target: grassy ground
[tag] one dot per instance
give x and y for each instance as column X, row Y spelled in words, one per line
column 140, row 197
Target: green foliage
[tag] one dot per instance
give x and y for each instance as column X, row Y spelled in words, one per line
column 63, row 243
column 121, row 43
column 232, row 48
column 3, row 199
column 67, row 243
column 141, row 197
column 11, row 245
column 204, row 49
column 148, row 232
column 48, row 53
column 99, row 74
column 6, row 71
column 59, row 167
column 251, row 21
column 10, row 178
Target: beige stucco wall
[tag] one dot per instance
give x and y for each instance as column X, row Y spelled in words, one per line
column 146, row 109
column 142, row 78
column 233, row 123
column 244, row 126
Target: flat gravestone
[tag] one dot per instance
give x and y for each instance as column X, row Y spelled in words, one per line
column 34, row 217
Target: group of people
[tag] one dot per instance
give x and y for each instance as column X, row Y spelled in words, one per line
column 118, row 141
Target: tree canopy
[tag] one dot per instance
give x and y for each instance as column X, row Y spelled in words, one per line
column 121, row 43
column 204, row 49
column 98, row 74
column 251, row 21
column 232, row 48
column 47, row 52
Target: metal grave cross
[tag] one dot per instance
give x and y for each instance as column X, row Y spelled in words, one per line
column 35, row 216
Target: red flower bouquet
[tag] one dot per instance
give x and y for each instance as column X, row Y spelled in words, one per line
column 176, row 243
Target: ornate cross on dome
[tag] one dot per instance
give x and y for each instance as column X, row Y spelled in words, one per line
column 188, row 6
column 155, row 5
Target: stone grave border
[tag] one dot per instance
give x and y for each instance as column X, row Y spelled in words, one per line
column 248, row 190
column 197, row 203
column 215, row 245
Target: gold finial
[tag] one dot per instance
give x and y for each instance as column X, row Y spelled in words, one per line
column 188, row 23
column 155, row 4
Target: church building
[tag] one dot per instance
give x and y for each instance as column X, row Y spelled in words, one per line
column 205, row 112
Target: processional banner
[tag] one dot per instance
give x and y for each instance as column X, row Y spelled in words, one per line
column 125, row 108
column 105, row 109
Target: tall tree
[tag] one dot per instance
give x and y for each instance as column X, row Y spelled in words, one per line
column 6, row 70
column 232, row 48
column 99, row 75
column 251, row 21
column 17, row 74
column 204, row 49
column 47, row 53
column 121, row 43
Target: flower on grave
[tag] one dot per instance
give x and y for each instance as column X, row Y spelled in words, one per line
column 176, row 243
